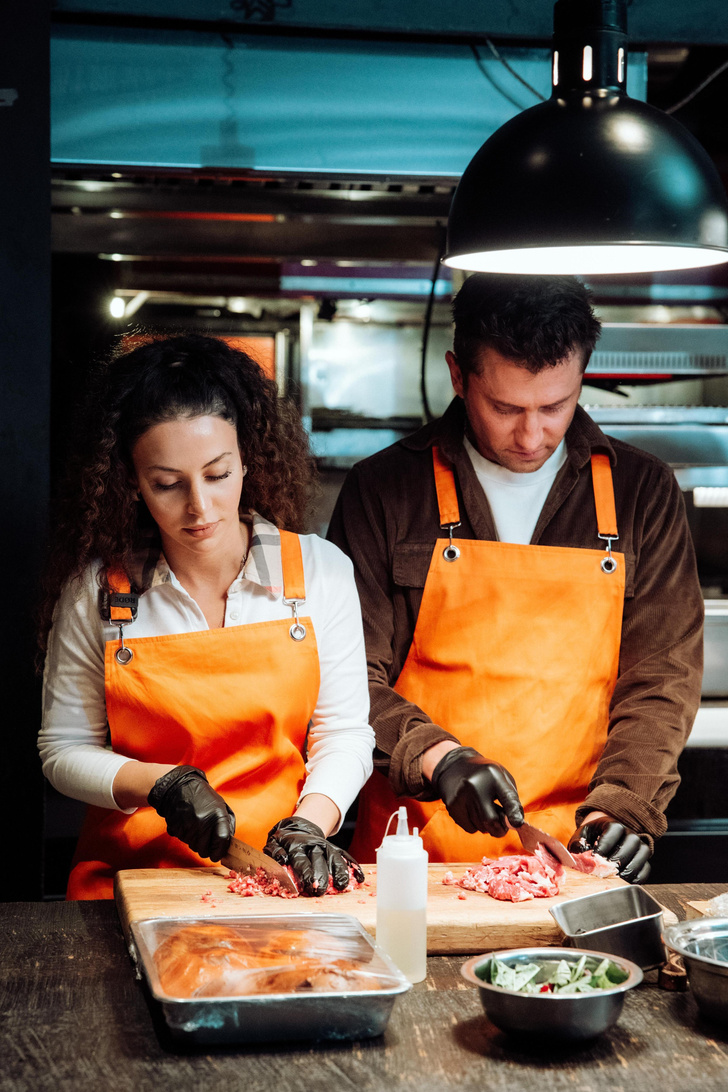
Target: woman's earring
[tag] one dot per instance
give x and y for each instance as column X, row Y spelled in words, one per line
column 245, row 470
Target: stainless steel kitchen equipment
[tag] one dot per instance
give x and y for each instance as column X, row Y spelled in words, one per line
column 625, row 922
column 703, row 946
column 693, row 440
column 569, row 1017
column 338, row 1012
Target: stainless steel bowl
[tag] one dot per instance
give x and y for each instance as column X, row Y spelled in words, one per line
column 565, row 1017
column 625, row 921
column 703, row 945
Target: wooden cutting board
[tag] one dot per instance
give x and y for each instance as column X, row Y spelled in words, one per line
column 458, row 922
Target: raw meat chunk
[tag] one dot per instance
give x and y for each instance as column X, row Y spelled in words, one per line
column 260, row 885
column 594, row 864
column 515, row 878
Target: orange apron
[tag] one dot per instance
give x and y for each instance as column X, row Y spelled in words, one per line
column 515, row 652
column 235, row 702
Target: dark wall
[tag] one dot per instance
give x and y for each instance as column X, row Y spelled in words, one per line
column 24, row 414
column 83, row 331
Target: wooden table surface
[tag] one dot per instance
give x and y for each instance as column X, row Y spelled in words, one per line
column 73, row 1017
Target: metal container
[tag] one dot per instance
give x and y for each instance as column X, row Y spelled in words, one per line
column 251, row 1013
column 625, row 921
column 703, row 945
column 715, row 640
column 551, row 1015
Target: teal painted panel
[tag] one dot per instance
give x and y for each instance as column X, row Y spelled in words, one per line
column 664, row 21
column 278, row 104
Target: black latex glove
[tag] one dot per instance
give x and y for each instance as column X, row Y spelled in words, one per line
column 478, row 794
column 612, row 840
column 195, row 813
column 304, row 847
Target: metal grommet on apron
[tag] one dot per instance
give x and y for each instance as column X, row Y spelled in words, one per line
column 609, row 563
column 123, row 655
column 297, row 630
column 451, row 552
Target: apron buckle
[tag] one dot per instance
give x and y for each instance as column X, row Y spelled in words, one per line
column 113, row 604
column 297, row 630
column 451, row 552
column 609, row 563
column 123, row 654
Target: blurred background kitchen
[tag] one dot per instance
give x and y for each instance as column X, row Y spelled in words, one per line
column 280, row 172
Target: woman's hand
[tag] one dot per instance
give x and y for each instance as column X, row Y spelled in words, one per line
column 303, row 846
column 195, row 813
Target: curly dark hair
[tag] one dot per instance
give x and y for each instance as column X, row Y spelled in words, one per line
column 99, row 515
column 534, row 320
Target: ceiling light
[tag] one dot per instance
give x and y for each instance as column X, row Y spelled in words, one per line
column 590, row 181
column 710, row 496
column 117, row 307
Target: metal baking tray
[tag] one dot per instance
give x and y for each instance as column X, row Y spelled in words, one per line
column 333, row 1011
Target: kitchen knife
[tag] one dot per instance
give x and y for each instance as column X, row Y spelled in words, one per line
column 241, row 857
column 532, row 838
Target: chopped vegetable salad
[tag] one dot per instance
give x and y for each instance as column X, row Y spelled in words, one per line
column 586, row 975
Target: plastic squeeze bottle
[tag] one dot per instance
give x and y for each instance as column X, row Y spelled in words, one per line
column 402, row 898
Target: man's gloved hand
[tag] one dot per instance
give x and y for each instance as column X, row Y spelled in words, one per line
column 612, row 840
column 195, row 813
column 304, row 847
column 470, row 785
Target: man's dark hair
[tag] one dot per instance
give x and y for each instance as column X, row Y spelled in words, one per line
column 534, row 320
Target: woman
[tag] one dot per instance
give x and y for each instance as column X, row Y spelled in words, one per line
column 221, row 657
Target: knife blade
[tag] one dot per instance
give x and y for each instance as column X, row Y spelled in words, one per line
column 241, row 857
column 532, row 837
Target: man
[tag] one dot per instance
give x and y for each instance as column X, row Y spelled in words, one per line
column 531, row 605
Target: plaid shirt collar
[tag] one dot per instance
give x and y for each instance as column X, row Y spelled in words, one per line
column 262, row 566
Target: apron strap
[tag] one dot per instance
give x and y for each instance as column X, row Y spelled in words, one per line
column 120, row 608
column 447, row 501
column 604, row 496
column 447, row 497
column 120, row 588
column 294, row 585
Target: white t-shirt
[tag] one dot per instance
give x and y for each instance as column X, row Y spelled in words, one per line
column 72, row 740
column 516, row 500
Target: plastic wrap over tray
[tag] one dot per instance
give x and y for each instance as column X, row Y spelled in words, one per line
column 265, row 978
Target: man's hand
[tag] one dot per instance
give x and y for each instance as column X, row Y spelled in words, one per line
column 479, row 795
column 195, row 813
column 611, row 839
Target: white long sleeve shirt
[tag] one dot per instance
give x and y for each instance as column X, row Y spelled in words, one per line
column 516, row 500
column 73, row 738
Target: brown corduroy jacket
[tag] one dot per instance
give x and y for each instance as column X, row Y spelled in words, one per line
column 386, row 520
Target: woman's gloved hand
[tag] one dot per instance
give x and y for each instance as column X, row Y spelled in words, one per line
column 303, row 846
column 612, row 840
column 195, row 813
column 478, row 794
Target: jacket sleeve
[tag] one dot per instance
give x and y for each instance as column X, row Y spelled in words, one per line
column 363, row 525
column 660, row 670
